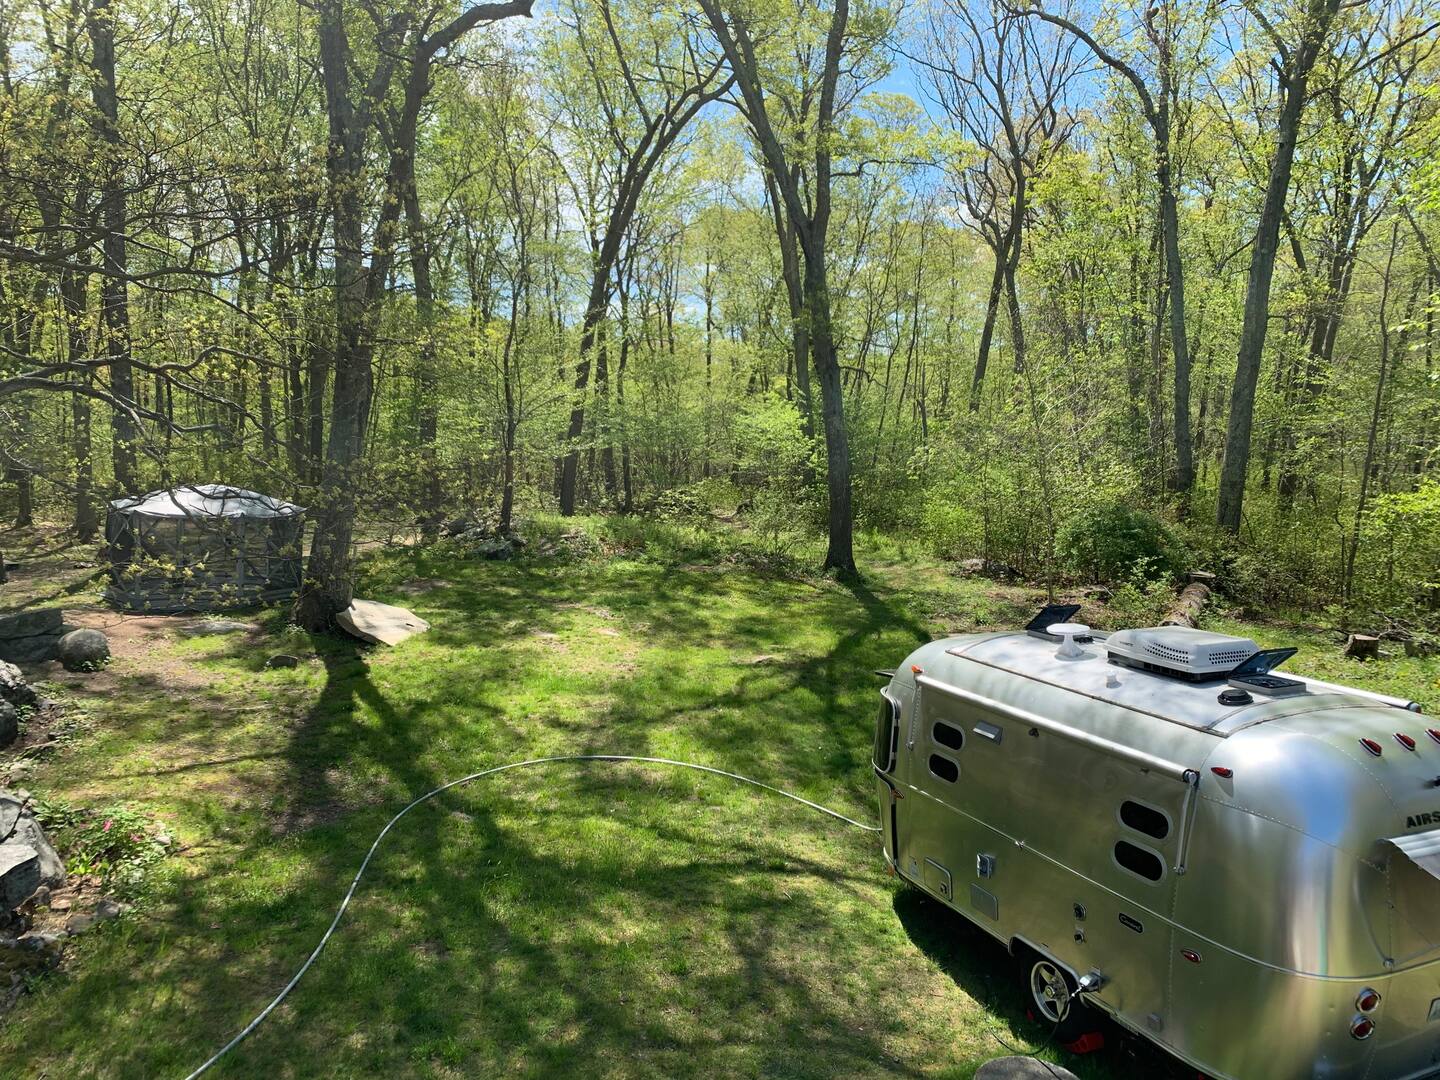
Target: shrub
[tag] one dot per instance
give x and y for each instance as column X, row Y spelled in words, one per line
column 117, row 843
column 1110, row 541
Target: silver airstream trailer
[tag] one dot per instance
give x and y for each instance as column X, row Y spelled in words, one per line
column 1239, row 866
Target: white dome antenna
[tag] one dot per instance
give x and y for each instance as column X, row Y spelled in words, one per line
column 1068, row 632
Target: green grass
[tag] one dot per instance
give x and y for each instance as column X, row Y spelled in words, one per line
column 593, row 920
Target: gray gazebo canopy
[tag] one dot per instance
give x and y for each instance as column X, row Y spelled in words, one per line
column 203, row 547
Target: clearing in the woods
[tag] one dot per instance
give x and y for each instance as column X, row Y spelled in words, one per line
column 601, row 920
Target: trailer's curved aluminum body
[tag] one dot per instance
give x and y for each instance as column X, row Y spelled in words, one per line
column 1234, row 919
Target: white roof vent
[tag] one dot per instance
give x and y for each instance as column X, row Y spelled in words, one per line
column 1179, row 651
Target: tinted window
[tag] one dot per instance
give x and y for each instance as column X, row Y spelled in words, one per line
column 1139, row 861
column 885, row 725
column 944, row 768
column 1145, row 819
column 947, row 735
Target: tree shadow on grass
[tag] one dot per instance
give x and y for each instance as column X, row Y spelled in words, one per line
column 590, row 920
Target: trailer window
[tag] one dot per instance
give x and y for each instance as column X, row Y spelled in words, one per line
column 1139, row 861
column 887, row 726
column 947, row 735
column 1145, row 819
column 944, row 768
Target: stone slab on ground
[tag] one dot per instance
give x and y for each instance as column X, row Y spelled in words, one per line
column 29, row 637
column 1022, row 1068
column 22, row 624
column 380, row 624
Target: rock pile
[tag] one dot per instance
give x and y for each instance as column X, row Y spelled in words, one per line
column 15, row 694
column 27, row 858
column 31, row 637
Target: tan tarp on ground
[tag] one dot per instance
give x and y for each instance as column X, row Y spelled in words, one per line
column 380, row 624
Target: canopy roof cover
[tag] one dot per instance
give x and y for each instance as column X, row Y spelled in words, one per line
column 207, row 500
column 1422, row 848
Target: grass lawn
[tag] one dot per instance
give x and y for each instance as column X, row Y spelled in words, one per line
column 577, row 920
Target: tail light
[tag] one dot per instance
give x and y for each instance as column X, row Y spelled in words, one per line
column 1222, row 771
column 1405, row 740
column 1362, row 1027
column 1367, row 1001
column 1371, row 745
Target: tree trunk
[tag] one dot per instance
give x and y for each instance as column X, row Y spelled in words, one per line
column 427, row 377
column 987, row 331
column 840, row 552
column 113, row 299
column 570, row 463
column 329, row 585
column 1183, row 479
column 1294, row 77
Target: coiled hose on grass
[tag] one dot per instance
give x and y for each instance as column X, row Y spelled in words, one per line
column 349, row 893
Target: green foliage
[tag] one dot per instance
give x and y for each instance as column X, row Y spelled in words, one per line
column 116, row 843
column 1407, row 524
column 1113, row 542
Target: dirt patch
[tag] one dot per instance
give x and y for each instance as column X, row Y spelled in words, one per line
column 423, row 585
column 590, row 609
column 139, row 646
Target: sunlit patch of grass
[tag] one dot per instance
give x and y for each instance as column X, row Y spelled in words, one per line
column 574, row 920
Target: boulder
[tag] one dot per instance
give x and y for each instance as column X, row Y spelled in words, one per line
column 494, row 549
column 32, row 623
column 29, row 637
column 28, row 650
column 52, row 867
column 18, row 826
column 83, row 650
column 380, row 624
column 14, row 688
column 19, row 875
column 9, row 723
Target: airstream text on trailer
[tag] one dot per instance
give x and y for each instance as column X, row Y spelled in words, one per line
column 1237, row 865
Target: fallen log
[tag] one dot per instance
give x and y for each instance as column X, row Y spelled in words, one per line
column 1188, row 605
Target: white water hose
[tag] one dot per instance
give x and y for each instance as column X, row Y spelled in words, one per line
column 340, row 911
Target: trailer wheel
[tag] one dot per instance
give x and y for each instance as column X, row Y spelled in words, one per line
column 1052, row 999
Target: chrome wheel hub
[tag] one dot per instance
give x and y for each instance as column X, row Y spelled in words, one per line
column 1050, row 991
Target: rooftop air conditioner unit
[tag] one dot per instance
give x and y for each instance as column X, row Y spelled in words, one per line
column 1180, row 652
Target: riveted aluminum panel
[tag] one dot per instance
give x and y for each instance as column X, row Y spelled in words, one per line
column 1293, row 896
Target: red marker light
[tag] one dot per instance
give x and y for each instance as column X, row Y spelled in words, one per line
column 1368, row 1001
column 1433, row 734
column 1191, row 955
column 1362, row 1027
column 1374, row 748
column 1405, row 741
column 1222, row 772
column 917, row 669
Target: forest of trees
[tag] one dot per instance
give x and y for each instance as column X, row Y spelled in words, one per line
column 1079, row 289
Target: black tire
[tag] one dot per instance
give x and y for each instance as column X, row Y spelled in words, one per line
column 1052, row 999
